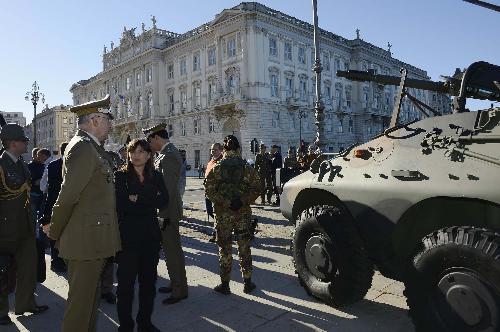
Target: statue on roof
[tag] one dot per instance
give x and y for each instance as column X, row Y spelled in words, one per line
column 104, row 50
column 112, row 45
column 389, row 45
column 357, row 34
column 143, row 26
column 153, row 19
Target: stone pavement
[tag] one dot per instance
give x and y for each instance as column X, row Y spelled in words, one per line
column 279, row 302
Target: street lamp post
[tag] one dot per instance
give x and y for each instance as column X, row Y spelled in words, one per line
column 34, row 95
column 302, row 114
column 318, row 104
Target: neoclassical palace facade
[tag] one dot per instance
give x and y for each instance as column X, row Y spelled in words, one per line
column 249, row 73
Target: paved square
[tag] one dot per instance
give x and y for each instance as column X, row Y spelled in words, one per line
column 279, row 302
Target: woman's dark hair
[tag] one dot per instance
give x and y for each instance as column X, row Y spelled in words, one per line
column 231, row 143
column 131, row 147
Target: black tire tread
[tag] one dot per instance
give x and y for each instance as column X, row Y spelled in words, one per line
column 486, row 242
column 356, row 277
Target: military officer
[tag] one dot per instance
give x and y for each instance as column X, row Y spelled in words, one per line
column 290, row 161
column 17, row 236
column 232, row 186
column 169, row 163
column 263, row 166
column 84, row 221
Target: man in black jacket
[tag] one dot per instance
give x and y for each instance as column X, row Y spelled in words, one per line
column 54, row 180
column 277, row 162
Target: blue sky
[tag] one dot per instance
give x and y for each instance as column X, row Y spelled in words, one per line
column 60, row 42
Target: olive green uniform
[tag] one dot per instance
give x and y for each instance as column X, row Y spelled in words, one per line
column 84, row 223
column 233, row 178
column 291, row 162
column 169, row 163
column 263, row 166
column 17, row 231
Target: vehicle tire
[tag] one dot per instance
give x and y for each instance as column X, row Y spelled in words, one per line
column 329, row 256
column 454, row 281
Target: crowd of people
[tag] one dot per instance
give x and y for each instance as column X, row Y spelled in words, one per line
column 51, row 202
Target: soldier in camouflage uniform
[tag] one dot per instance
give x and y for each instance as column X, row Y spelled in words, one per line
column 232, row 186
column 263, row 166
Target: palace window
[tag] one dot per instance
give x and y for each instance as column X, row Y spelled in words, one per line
column 211, row 125
column 170, row 129
column 274, row 85
column 303, row 89
column 170, row 71
column 149, row 74
column 183, row 99
column 128, row 83
column 183, row 128
column 231, row 47
column 183, row 68
column 196, row 126
column 231, row 84
column 211, row 56
column 302, row 55
column 197, row 95
column 212, row 91
column 289, row 87
column 196, row 61
column 337, row 97
column 340, row 128
column 138, row 77
column 273, row 50
column 171, row 102
column 328, row 91
column 276, row 119
column 326, row 62
column 288, row 51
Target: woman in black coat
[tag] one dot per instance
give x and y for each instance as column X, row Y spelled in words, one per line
column 140, row 191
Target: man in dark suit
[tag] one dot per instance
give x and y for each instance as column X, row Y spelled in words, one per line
column 276, row 162
column 54, row 180
column 169, row 163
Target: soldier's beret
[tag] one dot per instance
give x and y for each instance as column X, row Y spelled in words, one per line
column 13, row 132
column 263, row 146
column 94, row 106
column 154, row 129
column 275, row 146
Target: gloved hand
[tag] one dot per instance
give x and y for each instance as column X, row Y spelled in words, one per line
column 236, row 204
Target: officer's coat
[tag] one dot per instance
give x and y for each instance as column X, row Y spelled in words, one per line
column 84, row 220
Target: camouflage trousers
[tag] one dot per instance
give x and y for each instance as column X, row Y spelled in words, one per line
column 225, row 225
column 266, row 186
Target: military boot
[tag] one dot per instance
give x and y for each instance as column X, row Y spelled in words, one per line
column 223, row 288
column 248, row 286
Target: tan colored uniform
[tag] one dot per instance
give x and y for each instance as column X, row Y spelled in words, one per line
column 169, row 163
column 84, row 223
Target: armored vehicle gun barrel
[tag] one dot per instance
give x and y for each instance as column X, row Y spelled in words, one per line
column 370, row 76
column 481, row 80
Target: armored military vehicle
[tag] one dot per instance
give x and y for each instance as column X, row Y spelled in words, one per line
column 419, row 202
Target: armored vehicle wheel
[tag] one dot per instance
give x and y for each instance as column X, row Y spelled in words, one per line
column 329, row 256
column 455, row 282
